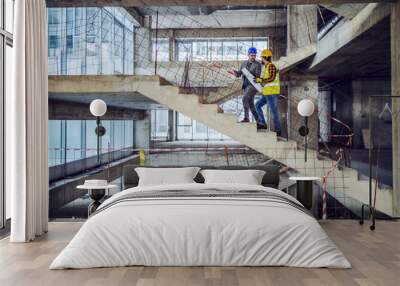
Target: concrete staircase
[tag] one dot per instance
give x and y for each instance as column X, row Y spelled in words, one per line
column 223, row 95
column 339, row 182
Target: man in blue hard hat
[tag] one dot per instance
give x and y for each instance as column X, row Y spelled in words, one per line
column 249, row 91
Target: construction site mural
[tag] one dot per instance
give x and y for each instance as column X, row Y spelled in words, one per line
column 181, row 69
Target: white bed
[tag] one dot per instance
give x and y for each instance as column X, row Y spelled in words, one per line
column 207, row 230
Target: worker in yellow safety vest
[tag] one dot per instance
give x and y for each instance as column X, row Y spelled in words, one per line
column 271, row 90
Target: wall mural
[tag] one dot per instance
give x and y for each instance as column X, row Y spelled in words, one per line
column 108, row 41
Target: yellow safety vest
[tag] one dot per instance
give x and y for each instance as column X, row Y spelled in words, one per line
column 271, row 87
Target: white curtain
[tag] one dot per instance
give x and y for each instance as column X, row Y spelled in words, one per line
column 26, row 123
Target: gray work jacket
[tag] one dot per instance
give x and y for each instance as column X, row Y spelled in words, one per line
column 253, row 67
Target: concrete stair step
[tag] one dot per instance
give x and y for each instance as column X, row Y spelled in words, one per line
column 210, row 107
column 270, row 135
column 228, row 116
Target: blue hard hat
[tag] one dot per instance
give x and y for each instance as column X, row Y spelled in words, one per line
column 252, row 50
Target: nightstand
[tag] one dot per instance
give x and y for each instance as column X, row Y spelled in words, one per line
column 304, row 193
column 97, row 189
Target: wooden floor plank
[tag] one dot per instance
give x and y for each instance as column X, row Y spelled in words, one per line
column 375, row 257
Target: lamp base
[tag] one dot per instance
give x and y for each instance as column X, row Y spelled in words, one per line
column 303, row 131
column 100, row 130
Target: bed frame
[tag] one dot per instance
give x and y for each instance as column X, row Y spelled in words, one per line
column 270, row 179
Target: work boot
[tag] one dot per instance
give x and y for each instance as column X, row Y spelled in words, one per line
column 261, row 126
column 245, row 120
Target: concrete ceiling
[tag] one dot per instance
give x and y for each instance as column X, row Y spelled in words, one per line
column 349, row 11
column 146, row 3
column 119, row 100
column 366, row 56
column 173, row 19
column 181, row 10
column 198, row 10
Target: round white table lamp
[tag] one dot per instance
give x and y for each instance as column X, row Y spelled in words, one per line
column 305, row 108
column 98, row 107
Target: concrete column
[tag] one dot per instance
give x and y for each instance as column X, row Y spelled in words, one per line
column 171, row 125
column 324, row 114
column 142, row 133
column 395, row 50
column 302, row 26
column 302, row 31
column 302, row 87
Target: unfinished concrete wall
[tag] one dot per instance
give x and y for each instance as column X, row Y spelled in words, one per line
column 303, row 88
column 302, row 31
column 324, row 114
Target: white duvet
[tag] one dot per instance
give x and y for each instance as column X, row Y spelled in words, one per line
column 206, row 231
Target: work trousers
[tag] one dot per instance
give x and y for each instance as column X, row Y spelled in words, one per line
column 248, row 102
column 272, row 101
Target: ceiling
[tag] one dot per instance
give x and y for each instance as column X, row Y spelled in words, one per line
column 223, row 19
column 200, row 10
column 367, row 56
column 146, row 3
column 121, row 100
column 194, row 16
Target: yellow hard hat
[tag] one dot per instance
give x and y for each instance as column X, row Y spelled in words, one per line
column 266, row 53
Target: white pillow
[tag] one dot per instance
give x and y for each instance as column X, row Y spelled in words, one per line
column 166, row 176
column 247, row 177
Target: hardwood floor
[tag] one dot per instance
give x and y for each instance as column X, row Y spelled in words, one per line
column 375, row 257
